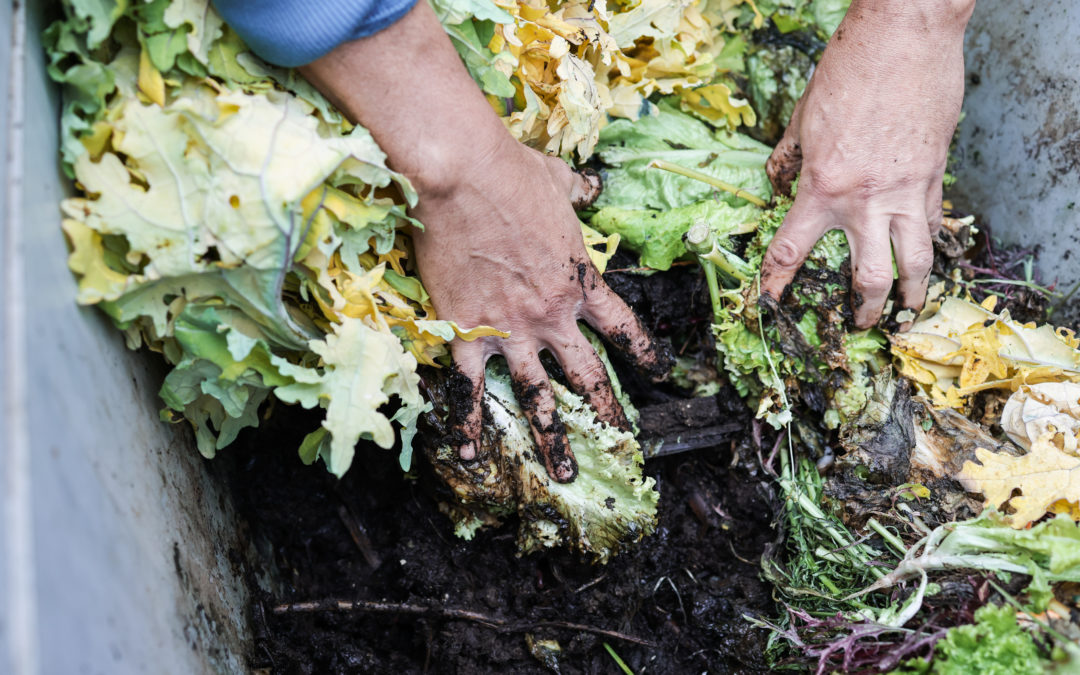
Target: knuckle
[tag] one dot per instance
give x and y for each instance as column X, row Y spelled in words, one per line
column 826, row 182
column 872, row 278
column 784, row 253
column 590, row 371
column 921, row 259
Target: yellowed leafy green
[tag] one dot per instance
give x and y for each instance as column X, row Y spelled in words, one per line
column 1050, row 408
column 1045, row 480
column 360, row 369
column 957, row 348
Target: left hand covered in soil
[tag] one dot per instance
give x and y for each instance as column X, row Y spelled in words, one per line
column 501, row 244
column 871, row 136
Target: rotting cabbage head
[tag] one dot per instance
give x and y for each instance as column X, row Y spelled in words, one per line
column 608, row 506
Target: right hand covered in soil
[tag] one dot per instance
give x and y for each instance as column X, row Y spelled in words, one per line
column 871, row 136
column 501, row 244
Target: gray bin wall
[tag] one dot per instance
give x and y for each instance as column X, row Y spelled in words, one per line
column 115, row 538
column 1020, row 142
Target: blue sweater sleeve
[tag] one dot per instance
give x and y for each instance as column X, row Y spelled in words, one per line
column 293, row 33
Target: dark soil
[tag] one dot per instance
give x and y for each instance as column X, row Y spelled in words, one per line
column 378, row 535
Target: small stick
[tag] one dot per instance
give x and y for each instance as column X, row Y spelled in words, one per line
column 359, row 537
column 706, row 178
column 591, row 583
column 492, row 622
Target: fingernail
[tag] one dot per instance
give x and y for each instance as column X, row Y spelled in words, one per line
column 565, row 472
column 467, row 451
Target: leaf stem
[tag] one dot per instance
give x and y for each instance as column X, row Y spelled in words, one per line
column 706, row 178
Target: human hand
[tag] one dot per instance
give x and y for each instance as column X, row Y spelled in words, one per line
column 502, row 247
column 871, row 137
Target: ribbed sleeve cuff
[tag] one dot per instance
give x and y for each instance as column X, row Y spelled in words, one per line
column 293, row 33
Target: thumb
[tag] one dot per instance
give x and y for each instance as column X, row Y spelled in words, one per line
column 582, row 186
column 785, row 162
column 585, row 188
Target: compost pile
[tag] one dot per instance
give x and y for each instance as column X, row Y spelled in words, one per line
column 924, row 485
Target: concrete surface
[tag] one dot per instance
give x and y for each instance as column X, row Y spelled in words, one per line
column 115, row 539
column 1020, row 142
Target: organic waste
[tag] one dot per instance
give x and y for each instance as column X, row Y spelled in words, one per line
column 232, row 220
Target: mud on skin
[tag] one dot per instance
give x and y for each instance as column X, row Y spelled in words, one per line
column 557, row 451
column 458, row 391
column 784, row 167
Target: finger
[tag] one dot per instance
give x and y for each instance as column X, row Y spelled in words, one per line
column 534, row 394
column 914, row 251
column 588, row 377
column 785, row 162
column 802, row 227
column 466, row 393
column 586, row 187
column 935, row 213
column 606, row 312
column 871, row 268
column 581, row 186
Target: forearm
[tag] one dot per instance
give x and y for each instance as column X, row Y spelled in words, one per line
column 408, row 87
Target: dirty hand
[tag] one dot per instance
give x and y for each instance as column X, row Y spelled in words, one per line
column 502, row 247
column 870, row 137
column 501, row 244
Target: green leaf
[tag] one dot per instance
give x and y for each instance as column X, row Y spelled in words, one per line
column 451, row 12
column 314, row 445
column 628, row 148
column 361, row 369
column 828, row 14
column 481, row 61
column 101, row 15
column 200, row 20
column 222, row 60
column 658, row 235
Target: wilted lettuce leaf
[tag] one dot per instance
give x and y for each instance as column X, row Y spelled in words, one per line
column 608, row 506
column 626, row 148
column 658, row 235
column 483, row 64
column 777, row 76
column 359, row 370
column 820, row 16
column 230, row 223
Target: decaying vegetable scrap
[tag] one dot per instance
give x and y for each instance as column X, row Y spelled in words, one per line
column 958, row 348
column 282, row 270
column 918, row 473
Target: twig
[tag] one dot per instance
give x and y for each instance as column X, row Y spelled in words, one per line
column 591, row 583
column 359, row 537
column 495, row 623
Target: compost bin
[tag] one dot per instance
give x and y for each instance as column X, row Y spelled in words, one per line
column 120, row 550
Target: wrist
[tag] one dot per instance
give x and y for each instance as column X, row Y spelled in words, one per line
column 928, row 16
column 446, row 158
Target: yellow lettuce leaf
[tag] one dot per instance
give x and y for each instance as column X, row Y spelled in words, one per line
column 1046, row 479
